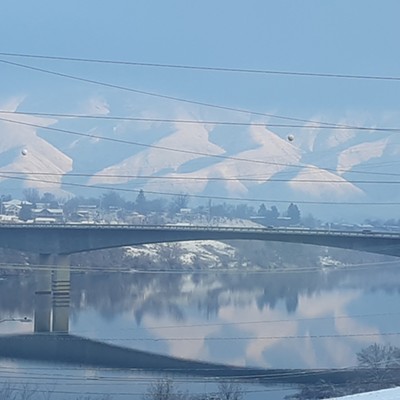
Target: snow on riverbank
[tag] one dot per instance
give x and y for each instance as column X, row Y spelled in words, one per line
column 386, row 394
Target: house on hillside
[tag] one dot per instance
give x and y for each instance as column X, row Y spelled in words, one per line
column 48, row 215
column 12, row 207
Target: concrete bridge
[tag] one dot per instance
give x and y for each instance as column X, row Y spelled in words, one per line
column 74, row 238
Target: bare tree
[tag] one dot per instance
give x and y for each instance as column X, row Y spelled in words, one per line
column 229, row 391
column 163, row 389
column 180, row 201
column 383, row 362
column 21, row 392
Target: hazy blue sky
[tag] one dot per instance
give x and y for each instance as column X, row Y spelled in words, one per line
column 341, row 36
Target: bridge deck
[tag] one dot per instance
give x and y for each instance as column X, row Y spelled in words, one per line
column 72, row 238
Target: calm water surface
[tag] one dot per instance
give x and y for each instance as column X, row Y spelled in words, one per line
column 270, row 320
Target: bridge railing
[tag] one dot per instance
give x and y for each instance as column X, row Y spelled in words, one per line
column 208, row 228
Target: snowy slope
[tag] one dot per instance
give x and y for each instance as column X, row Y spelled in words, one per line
column 42, row 157
column 386, row 394
column 152, row 161
column 197, row 158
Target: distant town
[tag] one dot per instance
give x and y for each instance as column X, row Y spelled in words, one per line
column 112, row 208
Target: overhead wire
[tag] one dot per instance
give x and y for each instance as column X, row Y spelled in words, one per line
column 198, row 178
column 166, row 148
column 233, row 338
column 203, row 122
column 161, row 120
column 204, row 68
column 129, row 393
column 200, row 196
column 247, row 323
column 261, row 377
column 168, row 97
column 144, row 376
column 220, row 271
column 124, row 141
column 115, row 340
column 340, row 126
column 229, row 123
column 218, row 156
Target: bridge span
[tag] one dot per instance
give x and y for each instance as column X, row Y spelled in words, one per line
column 65, row 239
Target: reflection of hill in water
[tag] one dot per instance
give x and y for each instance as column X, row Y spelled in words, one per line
column 159, row 294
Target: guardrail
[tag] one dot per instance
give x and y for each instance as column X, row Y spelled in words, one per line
column 209, row 228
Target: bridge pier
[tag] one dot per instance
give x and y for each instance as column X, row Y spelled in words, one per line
column 43, row 294
column 52, row 294
column 61, row 294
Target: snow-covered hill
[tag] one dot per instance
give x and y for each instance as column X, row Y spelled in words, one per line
column 44, row 164
column 197, row 158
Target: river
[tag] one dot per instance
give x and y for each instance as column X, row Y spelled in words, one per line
column 302, row 318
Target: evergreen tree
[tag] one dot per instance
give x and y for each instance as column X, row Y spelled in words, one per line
column 293, row 213
column 262, row 211
column 141, row 202
column 111, row 199
column 274, row 213
column 25, row 213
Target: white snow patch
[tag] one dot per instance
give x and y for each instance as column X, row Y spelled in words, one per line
column 386, row 394
column 327, row 185
column 339, row 136
column 41, row 156
column 360, row 153
column 96, row 106
column 208, row 251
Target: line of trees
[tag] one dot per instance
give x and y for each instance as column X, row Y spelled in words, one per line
column 112, row 200
column 144, row 206
column 162, row 389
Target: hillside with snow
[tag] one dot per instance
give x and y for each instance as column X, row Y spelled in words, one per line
column 206, row 159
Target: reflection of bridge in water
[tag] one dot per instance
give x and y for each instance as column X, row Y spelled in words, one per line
column 51, row 342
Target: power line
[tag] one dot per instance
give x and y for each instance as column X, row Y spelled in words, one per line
column 233, row 338
column 145, row 377
column 167, row 97
column 194, row 121
column 219, row 156
column 338, row 126
column 204, row 122
column 205, row 68
column 220, row 271
column 134, row 394
column 277, row 321
column 199, row 178
column 208, row 197
column 123, row 141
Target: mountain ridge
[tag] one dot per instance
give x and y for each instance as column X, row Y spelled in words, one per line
column 193, row 158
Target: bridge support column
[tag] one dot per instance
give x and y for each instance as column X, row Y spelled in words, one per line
column 43, row 294
column 61, row 294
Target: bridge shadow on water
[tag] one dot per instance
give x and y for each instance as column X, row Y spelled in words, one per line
column 72, row 349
